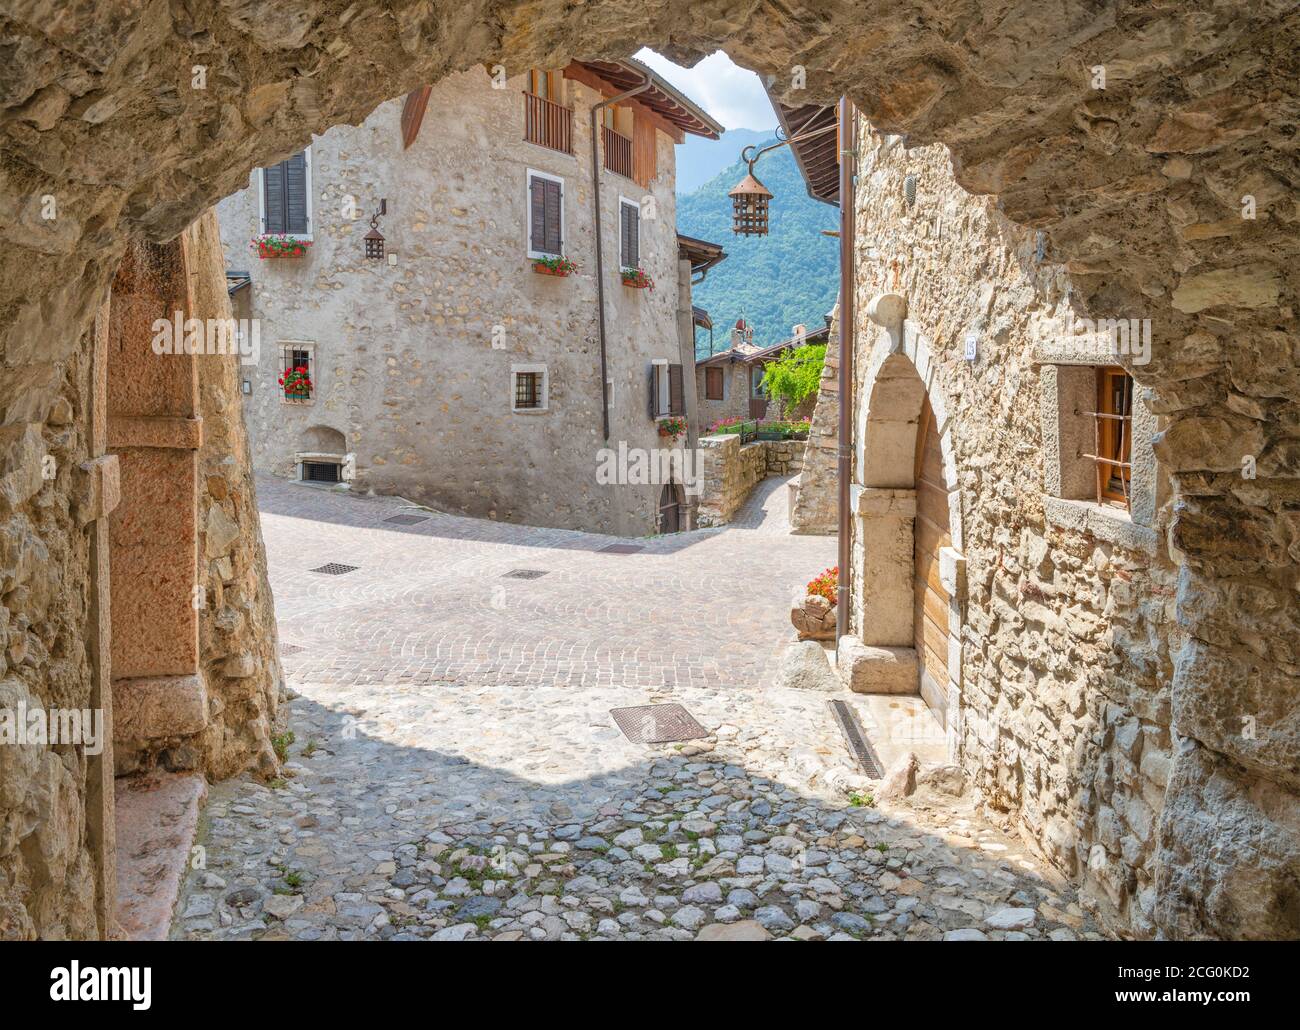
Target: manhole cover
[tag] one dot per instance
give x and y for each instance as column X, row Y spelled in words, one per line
column 856, row 741
column 335, row 569
column 406, row 520
column 622, row 549
column 290, row 649
column 524, row 574
column 657, row 724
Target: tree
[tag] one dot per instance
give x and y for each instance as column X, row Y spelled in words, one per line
column 794, row 377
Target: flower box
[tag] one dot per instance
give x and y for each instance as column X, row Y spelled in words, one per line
column 672, row 427
column 558, row 267
column 637, row 279
column 271, row 245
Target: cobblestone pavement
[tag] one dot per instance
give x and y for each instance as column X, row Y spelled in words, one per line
column 455, row 773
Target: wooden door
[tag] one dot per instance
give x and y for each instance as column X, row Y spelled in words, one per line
column 670, row 509
column 930, row 612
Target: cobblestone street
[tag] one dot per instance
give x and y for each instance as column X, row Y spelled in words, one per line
column 454, row 772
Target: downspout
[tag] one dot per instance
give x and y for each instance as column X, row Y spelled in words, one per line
column 848, row 161
column 600, row 253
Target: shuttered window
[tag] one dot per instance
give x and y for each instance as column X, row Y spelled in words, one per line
column 676, row 391
column 667, row 390
column 285, row 196
column 713, row 380
column 545, row 215
column 629, row 234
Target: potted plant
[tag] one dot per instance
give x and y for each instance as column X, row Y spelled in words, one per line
column 637, row 279
column 278, row 245
column 296, row 384
column 558, row 266
column 672, row 427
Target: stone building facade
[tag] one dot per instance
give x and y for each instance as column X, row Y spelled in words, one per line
column 1040, row 621
column 415, row 358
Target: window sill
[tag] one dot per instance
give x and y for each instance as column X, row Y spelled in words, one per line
column 298, row 402
column 529, row 411
column 1107, row 523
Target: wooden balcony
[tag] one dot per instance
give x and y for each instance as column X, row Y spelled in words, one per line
column 547, row 123
column 618, row 151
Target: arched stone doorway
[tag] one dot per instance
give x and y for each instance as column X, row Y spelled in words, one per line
column 907, row 530
column 672, row 509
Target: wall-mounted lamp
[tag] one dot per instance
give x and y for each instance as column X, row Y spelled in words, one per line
column 750, row 198
column 374, row 238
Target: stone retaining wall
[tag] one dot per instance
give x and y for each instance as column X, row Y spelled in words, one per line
column 730, row 472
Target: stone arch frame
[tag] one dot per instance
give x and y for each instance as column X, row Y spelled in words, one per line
column 900, row 377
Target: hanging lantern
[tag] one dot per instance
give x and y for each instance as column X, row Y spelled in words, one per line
column 749, row 201
column 374, row 238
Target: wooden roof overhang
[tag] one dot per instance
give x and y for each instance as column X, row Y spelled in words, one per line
column 702, row 254
column 818, row 158
column 677, row 112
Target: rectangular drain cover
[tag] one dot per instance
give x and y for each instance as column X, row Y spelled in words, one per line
column 335, row 569
column 622, row 549
column 407, row 520
column 856, row 741
column 657, row 724
column 525, row 574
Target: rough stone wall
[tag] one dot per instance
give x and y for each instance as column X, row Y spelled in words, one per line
column 729, row 472
column 1137, row 186
column 238, row 642
column 1068, row 649
column 47, row 871
column 412, row 361
column 816, row 500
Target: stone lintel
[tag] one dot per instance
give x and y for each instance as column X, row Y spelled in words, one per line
column 101, row 488
column 155, row 707
column 163, row 431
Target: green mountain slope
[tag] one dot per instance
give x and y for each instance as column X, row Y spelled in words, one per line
column 775, row 281
column 700, row 159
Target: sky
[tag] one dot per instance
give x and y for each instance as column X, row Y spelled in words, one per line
column 732, row 95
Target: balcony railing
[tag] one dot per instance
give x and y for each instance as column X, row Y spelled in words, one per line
column 547, row 123
column 618, row 151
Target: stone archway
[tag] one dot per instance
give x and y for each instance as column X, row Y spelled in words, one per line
column 124, row 122
column 895, row 524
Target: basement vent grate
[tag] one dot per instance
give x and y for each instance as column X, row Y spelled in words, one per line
column 335, row 569
column 320, row 472
column 657, row 724
column 525, row 574
column 855, row 740
column 407, row 520
column 290, row 649
column 622, row 549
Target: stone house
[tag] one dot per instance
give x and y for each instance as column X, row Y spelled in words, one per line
column 729, row 384
column 445, row 370
column 1007, row 516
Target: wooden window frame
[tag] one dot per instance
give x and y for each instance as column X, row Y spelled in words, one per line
column 261, row 198
column 1113, row 437
column 529, row 175
column 756, row 392
column 721, row 381
column 543, row 392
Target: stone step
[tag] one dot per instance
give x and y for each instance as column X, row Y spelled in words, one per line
column 157, row 818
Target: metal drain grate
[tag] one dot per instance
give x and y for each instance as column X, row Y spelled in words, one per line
column 622, row 549
column 290, row 649
column 855, row 740
column 525, row 574
column 657, row 724
column 406, row 520
column 335, row 569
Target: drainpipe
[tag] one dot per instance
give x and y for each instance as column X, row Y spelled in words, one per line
column 600, row 253
column 848, row 148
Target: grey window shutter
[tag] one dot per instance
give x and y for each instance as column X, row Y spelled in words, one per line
column 676, row 393
column 537, row 214
column 554, row 244
column 295, row 193
column 633, row 235
column 273, row 198
column 654, row 391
